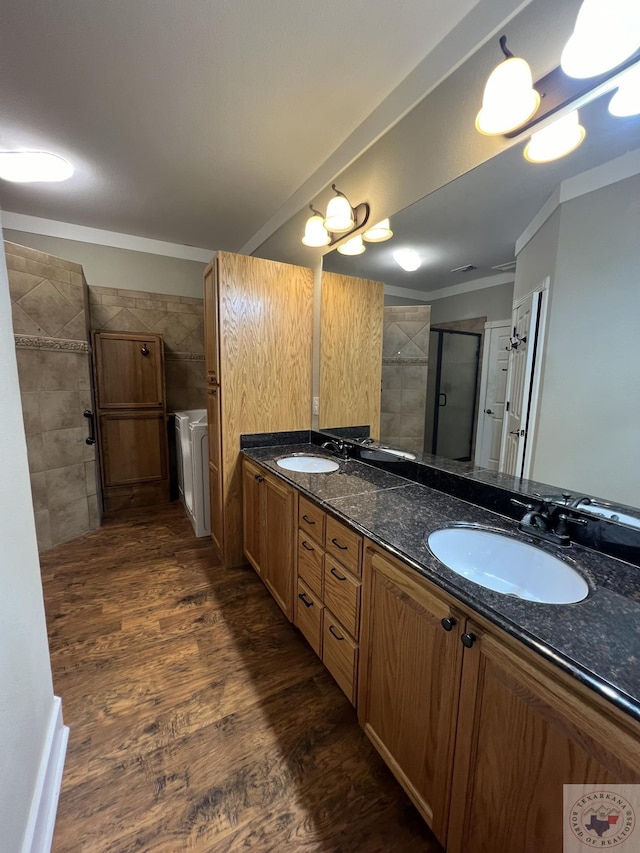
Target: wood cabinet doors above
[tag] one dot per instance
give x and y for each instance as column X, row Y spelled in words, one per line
column 129, row 370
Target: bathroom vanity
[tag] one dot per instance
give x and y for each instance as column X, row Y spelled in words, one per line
column 482, row 705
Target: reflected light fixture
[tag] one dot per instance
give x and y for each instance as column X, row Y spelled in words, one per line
column 606, row 33
column 379, row 232
column 315, row 234
column 31, row 166
column 509, row 98
column 408, row 259
column 339, row 216
column 626, row 101
column 556, row 140
column 354, row 246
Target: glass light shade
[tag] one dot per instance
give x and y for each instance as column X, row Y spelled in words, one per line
column 408, row 259
column 315, row 234
column 509, row 98
column 379, row 232
column 354, row 246
column 339, row 216
column 30, row 166
column 626, row 101
column 606, row 33
column 555, row 141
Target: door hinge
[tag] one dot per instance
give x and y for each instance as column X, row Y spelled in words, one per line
column 506, row 407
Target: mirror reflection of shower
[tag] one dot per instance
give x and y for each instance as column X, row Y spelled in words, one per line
column 430, row 382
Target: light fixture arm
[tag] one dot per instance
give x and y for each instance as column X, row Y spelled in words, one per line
column 504, row 48
column 314, row 211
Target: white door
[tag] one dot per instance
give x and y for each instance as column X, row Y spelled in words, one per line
column 523, row 331
column 495, row 361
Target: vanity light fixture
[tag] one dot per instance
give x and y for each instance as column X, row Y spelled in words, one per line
column 379, row 232
column 354, row 246
column 339, row 217
column 556, row 140
column 33, row 166
column 607, row 32
column 509, row 98
column 626, row 101
column 408, row 259
column 315, row 234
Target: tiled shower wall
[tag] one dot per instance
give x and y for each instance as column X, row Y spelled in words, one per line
column 405, row 367
column 49, row 306
column 179, row 319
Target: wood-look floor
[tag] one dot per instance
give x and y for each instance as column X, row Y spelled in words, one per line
column 200, row 720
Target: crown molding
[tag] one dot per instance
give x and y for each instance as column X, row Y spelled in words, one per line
column 100, row 237
column 453, row 290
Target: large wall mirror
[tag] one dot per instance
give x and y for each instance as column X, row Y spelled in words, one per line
column 571, row 232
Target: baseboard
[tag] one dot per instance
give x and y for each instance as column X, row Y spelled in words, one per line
column 42, row 816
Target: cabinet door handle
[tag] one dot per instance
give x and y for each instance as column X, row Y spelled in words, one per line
column 91, row 439
column 448, row 623
column 144, row 349
column 338, row 545
column 213, row 391
column 333, row 631
column 307, row 547
column 303, row 598
column 468, row 640
column 336, row 575
column 308, row 520
column 259, row 478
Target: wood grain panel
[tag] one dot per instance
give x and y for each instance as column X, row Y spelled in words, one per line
column 125, row 376
column 200, row 721
column 344, row 544
column 350, row 352
column 342, row 595
column 133, row 447
column 312, row 520
column 310, row 557
column 265, row 314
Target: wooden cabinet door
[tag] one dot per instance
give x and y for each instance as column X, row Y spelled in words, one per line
column 211, row 351
column 133, row 447
column 522, row 734
column 252, row 479
column 409, row 683
column 129, row 370
column 279, row 524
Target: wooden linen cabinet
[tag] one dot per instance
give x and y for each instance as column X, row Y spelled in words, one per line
column 132, row 419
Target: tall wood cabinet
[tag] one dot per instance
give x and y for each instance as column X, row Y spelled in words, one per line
column 131, row 419
column 258, row 334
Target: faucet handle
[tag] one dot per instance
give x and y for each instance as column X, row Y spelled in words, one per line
column 528, row 507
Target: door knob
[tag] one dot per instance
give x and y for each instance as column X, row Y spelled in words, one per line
column 468, row 640
column 488, row 411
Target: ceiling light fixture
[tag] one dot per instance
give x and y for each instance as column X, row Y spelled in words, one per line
column 341, row 219
column 556, row 140
column 315, row 234
column 379, row 232
column 606, row 33
column 30, row 166
column 408, row 259
column 354, row 246
column 509, row 98
column 626, row 101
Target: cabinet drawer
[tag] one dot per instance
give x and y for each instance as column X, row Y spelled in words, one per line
column 308, row 617
column 310, row 562
column 342, row 595
column 344, row 545
column 311, row 519
column 340, row 655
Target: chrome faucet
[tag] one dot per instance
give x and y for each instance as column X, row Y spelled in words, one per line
column 340, row 448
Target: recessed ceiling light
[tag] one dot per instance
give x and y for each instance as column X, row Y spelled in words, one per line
column 29, row 166
column 408, row 259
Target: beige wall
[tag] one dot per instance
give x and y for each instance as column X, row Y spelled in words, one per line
column 49, row 308
column 123, row 269
column 26, row 691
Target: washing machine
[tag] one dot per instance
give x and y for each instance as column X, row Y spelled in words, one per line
column 192, row 454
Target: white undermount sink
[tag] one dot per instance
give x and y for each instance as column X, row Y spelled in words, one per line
column 507, row 565
column 308, row 464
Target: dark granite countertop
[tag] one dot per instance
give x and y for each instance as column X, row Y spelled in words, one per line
column 596, row 640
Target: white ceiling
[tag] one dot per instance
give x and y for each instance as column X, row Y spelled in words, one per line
column 195, row 121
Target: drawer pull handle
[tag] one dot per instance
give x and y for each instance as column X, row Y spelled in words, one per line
column 307, row 547
column 303, row 598
column 333, row 631
column 338, row 545
column 308, row 520
column 336, row 575
column 468, row 640
column 259, row 478
column 448, row 623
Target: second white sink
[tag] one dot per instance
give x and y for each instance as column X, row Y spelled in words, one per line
column 308, row 464
column 507, row 565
